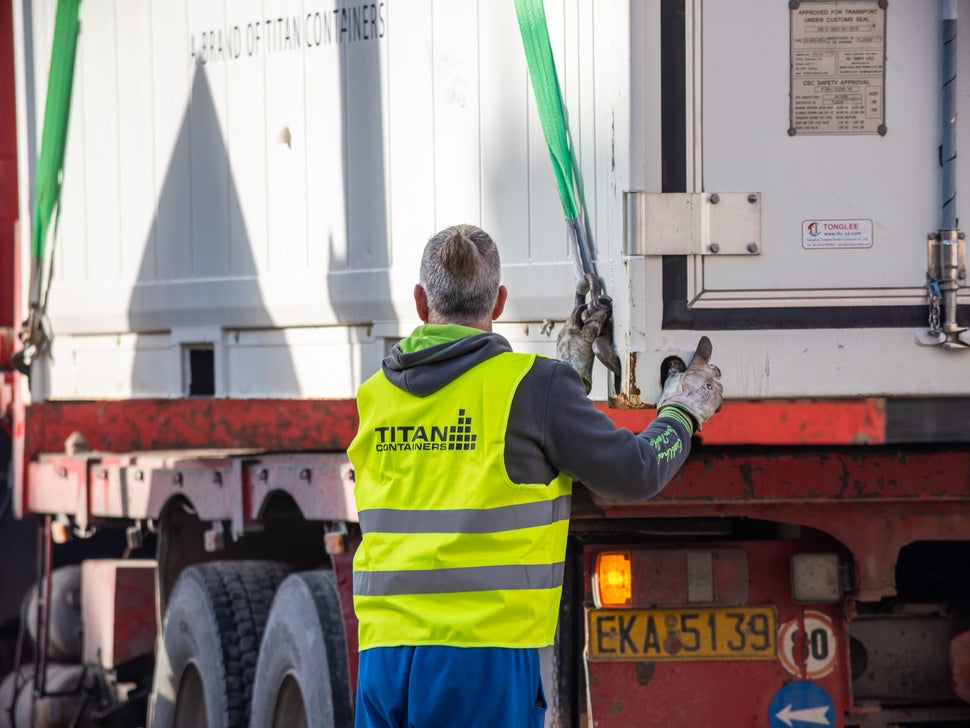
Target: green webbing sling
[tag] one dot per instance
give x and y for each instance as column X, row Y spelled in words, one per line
column 50, row 166
column 545, row 85
column 56, row 113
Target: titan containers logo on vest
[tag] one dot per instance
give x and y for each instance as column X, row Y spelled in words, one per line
column 433, row 437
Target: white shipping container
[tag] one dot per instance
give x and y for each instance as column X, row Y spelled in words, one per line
column 255, row 181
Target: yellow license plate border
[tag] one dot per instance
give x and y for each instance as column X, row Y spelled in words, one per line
column 661, row 615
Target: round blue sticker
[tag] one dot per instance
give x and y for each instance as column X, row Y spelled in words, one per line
column 801, row 705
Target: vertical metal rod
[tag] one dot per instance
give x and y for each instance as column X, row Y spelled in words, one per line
column 44, row 613
column 949, row 143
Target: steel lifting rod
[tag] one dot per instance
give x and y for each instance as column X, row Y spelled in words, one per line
column 949, row 155
column 946, row 257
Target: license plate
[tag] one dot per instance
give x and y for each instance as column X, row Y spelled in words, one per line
column 716, row 633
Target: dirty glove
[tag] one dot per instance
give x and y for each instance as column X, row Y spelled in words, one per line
column 696, row 390
column 583, row 327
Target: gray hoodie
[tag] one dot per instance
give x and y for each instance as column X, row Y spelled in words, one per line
column 553, row 426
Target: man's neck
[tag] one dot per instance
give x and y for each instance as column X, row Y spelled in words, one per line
column 475, row 324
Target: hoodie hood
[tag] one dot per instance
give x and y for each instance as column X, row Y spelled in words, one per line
column 434, row 355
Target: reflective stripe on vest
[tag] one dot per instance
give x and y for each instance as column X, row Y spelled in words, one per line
column 453, row 552
column 466, row 520
column 467, row 579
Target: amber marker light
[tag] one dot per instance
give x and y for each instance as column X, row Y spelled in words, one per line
column 613, row 579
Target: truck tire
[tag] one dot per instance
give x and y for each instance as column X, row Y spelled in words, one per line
column 66, row 688
column 64, row 638
column 206, row 658
column 302, row 679
column 8, row 694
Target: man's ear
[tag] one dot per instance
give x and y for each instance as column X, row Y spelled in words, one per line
column 421, row 302
column 503, row 294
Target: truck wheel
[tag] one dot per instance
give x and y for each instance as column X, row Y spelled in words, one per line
column 65, row 685
column 64, row 637
column 206, row 661
column 302, row 679
column 8, row 694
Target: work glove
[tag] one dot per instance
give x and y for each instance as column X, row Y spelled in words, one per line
column 697, row 389
column 586, row 328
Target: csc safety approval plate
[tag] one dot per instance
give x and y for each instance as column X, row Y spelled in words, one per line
column 716, row 633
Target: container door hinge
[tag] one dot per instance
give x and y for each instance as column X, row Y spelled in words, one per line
column 946, row 273
column 693, row 223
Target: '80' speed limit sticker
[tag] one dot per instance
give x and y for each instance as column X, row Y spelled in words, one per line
column 807, row 646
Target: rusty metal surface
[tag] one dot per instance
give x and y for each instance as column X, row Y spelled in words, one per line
column 118, row 610
column 329, row 425
column 141, row 490
column 232, row 486
column 671, row 577
column 130, row 440
column 6, row 404
column 321, row 486
column 8, row 344
column 945, row 716
column 874, row 501
column 805, row 475
column 734, row 694
column 268, row 425
column 874, row 532
column 824, row 422
column 902, row 656
column 58, row 485
column 959, row 652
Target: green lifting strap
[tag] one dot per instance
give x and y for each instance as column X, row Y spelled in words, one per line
column 545, row 85
column 56, row 113
column 50, row 166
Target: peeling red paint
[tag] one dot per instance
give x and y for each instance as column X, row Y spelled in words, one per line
column 269, row 425
column 709, row 692
column 776, row 422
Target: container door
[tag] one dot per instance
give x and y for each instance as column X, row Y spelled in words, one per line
column 793, row 205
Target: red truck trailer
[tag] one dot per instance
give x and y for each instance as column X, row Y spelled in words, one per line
column 243, row 200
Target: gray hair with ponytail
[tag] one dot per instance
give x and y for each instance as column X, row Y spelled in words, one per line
column 460, row 273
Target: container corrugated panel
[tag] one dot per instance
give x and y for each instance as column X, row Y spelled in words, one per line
column 263, row 186
column 262, row 181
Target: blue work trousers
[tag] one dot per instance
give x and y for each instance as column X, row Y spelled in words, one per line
column 449, row 687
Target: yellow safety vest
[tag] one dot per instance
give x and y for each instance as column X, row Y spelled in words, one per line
column 453, row 552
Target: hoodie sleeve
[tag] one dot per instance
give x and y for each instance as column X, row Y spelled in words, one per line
column 551, row 410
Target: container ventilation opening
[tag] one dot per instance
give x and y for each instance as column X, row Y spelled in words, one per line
column 200, row 370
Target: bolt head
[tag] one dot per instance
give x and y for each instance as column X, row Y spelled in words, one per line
column 715, row 248
column 752, row 247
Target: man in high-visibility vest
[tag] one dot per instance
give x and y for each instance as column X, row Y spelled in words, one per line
column 464, row 463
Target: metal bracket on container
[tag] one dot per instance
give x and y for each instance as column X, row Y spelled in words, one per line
column 698, row 223
column 946, row 273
